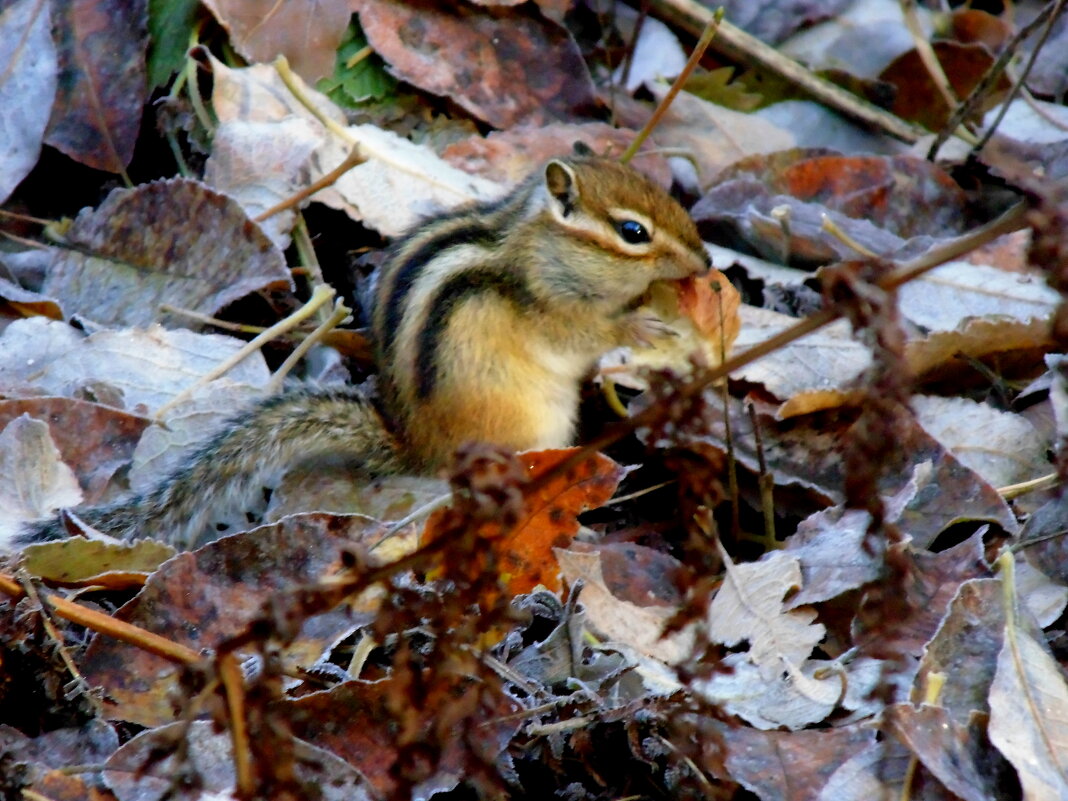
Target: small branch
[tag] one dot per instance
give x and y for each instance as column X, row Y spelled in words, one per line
column 987, row 83
column 109, row 626
column 738, row 44
column 320, row 295
column 691, row 64
column 353, row 159
column 1057, row 8
column 341, row 311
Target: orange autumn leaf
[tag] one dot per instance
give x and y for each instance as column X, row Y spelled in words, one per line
column 524, row 552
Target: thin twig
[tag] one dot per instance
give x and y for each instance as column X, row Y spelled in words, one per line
column 320, row 295
column 986, row 84
column 353, row 159
column 1058, row 7
column 691, row 64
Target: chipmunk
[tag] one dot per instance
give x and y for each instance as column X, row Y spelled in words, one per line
column 485, row 320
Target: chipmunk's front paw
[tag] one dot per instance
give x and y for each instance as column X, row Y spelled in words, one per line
column 646, row 329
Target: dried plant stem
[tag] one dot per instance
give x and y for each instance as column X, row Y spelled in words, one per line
column 109, row 626
column 341, row 311
column 233, row 685
column 927, row 54
column 320, row 295
column 353, row 159
column 207, row 319
column 986, row 84
column 736, row 43
column 691, row 64
column 1056, row 8
column 908, row 271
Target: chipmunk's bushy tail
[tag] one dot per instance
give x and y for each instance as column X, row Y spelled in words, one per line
column 223, row 473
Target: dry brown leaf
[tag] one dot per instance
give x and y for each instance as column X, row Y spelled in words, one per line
column 145, row 767
column 509, row 156
column 307, row 34
column 619, row 620
column 715, row 135
column 550, row 518
column 200, row 598
column 175, row 242
column 508, row 68
column 96, row 117
column 95, row 441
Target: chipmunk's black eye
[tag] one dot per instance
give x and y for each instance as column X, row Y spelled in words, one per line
column 633, row 232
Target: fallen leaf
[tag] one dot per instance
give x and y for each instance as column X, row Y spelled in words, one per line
column 1029, row 705
column 790, row 766
column 145, row 767
column 174, row 242
column 34, row 481
column 27, row 90
column 1001, row 447
column 401, row 182
column 749, row 606
column 200, row 598
column 94, row 440
column 80, row 562
column 306, row 35
column 97, row 112
column 357, row 721
column 617, row 614
column 46, row 357
column 550, row 519
column 529, row 68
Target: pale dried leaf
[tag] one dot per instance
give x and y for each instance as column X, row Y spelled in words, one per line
column 811, row 373
column 1001, row 447
column 749, row 606
column 948, row 296
column 145, row 368
column 397, row 186
column 28, row 76
column 1044, row 598
column 716, row 136
column 34, row 481
column 260, row 164
column 163, row 446
column 1029, row 716
column 639, row 627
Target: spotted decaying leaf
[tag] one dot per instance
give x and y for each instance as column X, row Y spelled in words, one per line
column 528, row 68
column 175, row 242
column 97, row 114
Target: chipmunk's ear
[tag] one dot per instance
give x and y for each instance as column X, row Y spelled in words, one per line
column 580, row 148
column 562, row 185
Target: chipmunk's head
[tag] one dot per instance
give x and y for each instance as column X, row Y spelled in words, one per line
column 613, row 231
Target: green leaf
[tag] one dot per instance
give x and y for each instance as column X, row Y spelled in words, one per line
column 359, row 74
column 170, row 27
